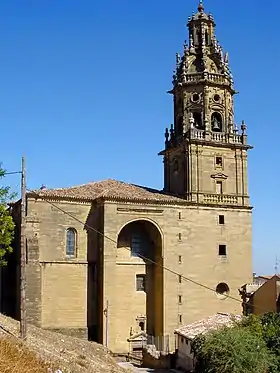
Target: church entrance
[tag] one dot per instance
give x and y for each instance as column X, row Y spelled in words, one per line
column 140, row 250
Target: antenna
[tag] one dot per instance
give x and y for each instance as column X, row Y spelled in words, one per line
column 276, row 266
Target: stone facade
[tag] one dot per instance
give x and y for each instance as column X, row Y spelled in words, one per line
column 109, row 260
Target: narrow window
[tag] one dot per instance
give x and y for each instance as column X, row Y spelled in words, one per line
column 176, row 166
column 180, row 236
column 142, row 325
column 71, row 237
column 222, row 250
column 219, row 187
column 221, row 219
column 206, row 37
column 219, row 161
column 180, row 215
column 140, row 282
column 180, row 279
column 180, row 299
column 180, row 258
column 180, row 319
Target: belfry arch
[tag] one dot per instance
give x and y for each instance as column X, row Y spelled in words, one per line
column 140, row 243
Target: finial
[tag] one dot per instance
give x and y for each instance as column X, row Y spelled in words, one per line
column 200, row 7
column 243, row 127
column 166, row 134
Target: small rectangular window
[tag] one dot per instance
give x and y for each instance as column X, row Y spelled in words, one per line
column 180, row 299
column 180, row 279
column 180, row 236
column 219, row 161
column 180, row 258
column 180, row 318
column 221, row 219
column 180, row 215
column 219, row 187
column 140, row 282
column 222, row 250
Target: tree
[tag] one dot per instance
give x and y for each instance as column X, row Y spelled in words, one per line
column 267, row 327
column 232, row 350
column 6, row 222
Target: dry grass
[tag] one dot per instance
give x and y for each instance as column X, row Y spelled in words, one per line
column 43, row 350
column 15, row 358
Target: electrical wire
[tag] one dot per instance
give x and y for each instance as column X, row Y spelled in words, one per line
column 139, row 255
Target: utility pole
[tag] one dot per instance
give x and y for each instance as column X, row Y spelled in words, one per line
column 23, row 253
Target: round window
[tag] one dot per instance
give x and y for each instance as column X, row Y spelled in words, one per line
column 195, row 97
column 222, row 290
column 217, row 98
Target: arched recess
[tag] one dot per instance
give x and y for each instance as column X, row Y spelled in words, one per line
column 142, row 241
column 216, row 122
column 198, row 123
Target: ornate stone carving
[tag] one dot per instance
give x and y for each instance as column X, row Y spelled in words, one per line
column 219, row 175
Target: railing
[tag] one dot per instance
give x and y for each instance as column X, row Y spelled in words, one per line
column 198, row 134
column 216, row 136
column 215, row 78
column 161, row 342
column 219, row 137
column 220, row 198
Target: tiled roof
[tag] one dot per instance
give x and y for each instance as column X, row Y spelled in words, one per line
column 111, row 189
column 205, row 325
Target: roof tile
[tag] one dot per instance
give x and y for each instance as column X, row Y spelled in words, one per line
column 210, row 323
column 111, row 189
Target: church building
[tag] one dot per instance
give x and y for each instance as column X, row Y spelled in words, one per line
column 112, row 261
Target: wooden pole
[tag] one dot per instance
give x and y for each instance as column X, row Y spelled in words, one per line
column 23, row 253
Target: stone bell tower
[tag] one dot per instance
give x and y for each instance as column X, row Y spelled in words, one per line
column 205, row 155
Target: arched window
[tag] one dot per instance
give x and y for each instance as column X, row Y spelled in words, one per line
column 71, row 241
column 198, row 120
column 216, row 122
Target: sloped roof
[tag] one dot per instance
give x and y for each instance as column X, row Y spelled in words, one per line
column 110, row 189
column 210, row 323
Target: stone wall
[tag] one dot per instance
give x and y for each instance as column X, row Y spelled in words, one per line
column 56, row 284
column 191, row 238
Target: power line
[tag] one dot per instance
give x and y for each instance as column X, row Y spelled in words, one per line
column 12, row 173
column 140, row 255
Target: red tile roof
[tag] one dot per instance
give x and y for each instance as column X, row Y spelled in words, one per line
column 108, row 189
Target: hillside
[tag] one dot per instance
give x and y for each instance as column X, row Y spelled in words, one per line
column 44, row 352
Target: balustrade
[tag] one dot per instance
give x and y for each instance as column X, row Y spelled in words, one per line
column 215, row 78
column 220, row 198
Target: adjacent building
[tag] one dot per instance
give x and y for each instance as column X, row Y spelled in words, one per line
column 185, row 359
column 99, row 255
column 262, row 296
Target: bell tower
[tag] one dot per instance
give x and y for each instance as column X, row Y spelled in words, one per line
column 205, row 155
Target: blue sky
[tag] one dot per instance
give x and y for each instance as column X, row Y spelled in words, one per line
column 83, row 93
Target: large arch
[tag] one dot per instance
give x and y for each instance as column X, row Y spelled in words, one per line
column 141, row 241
